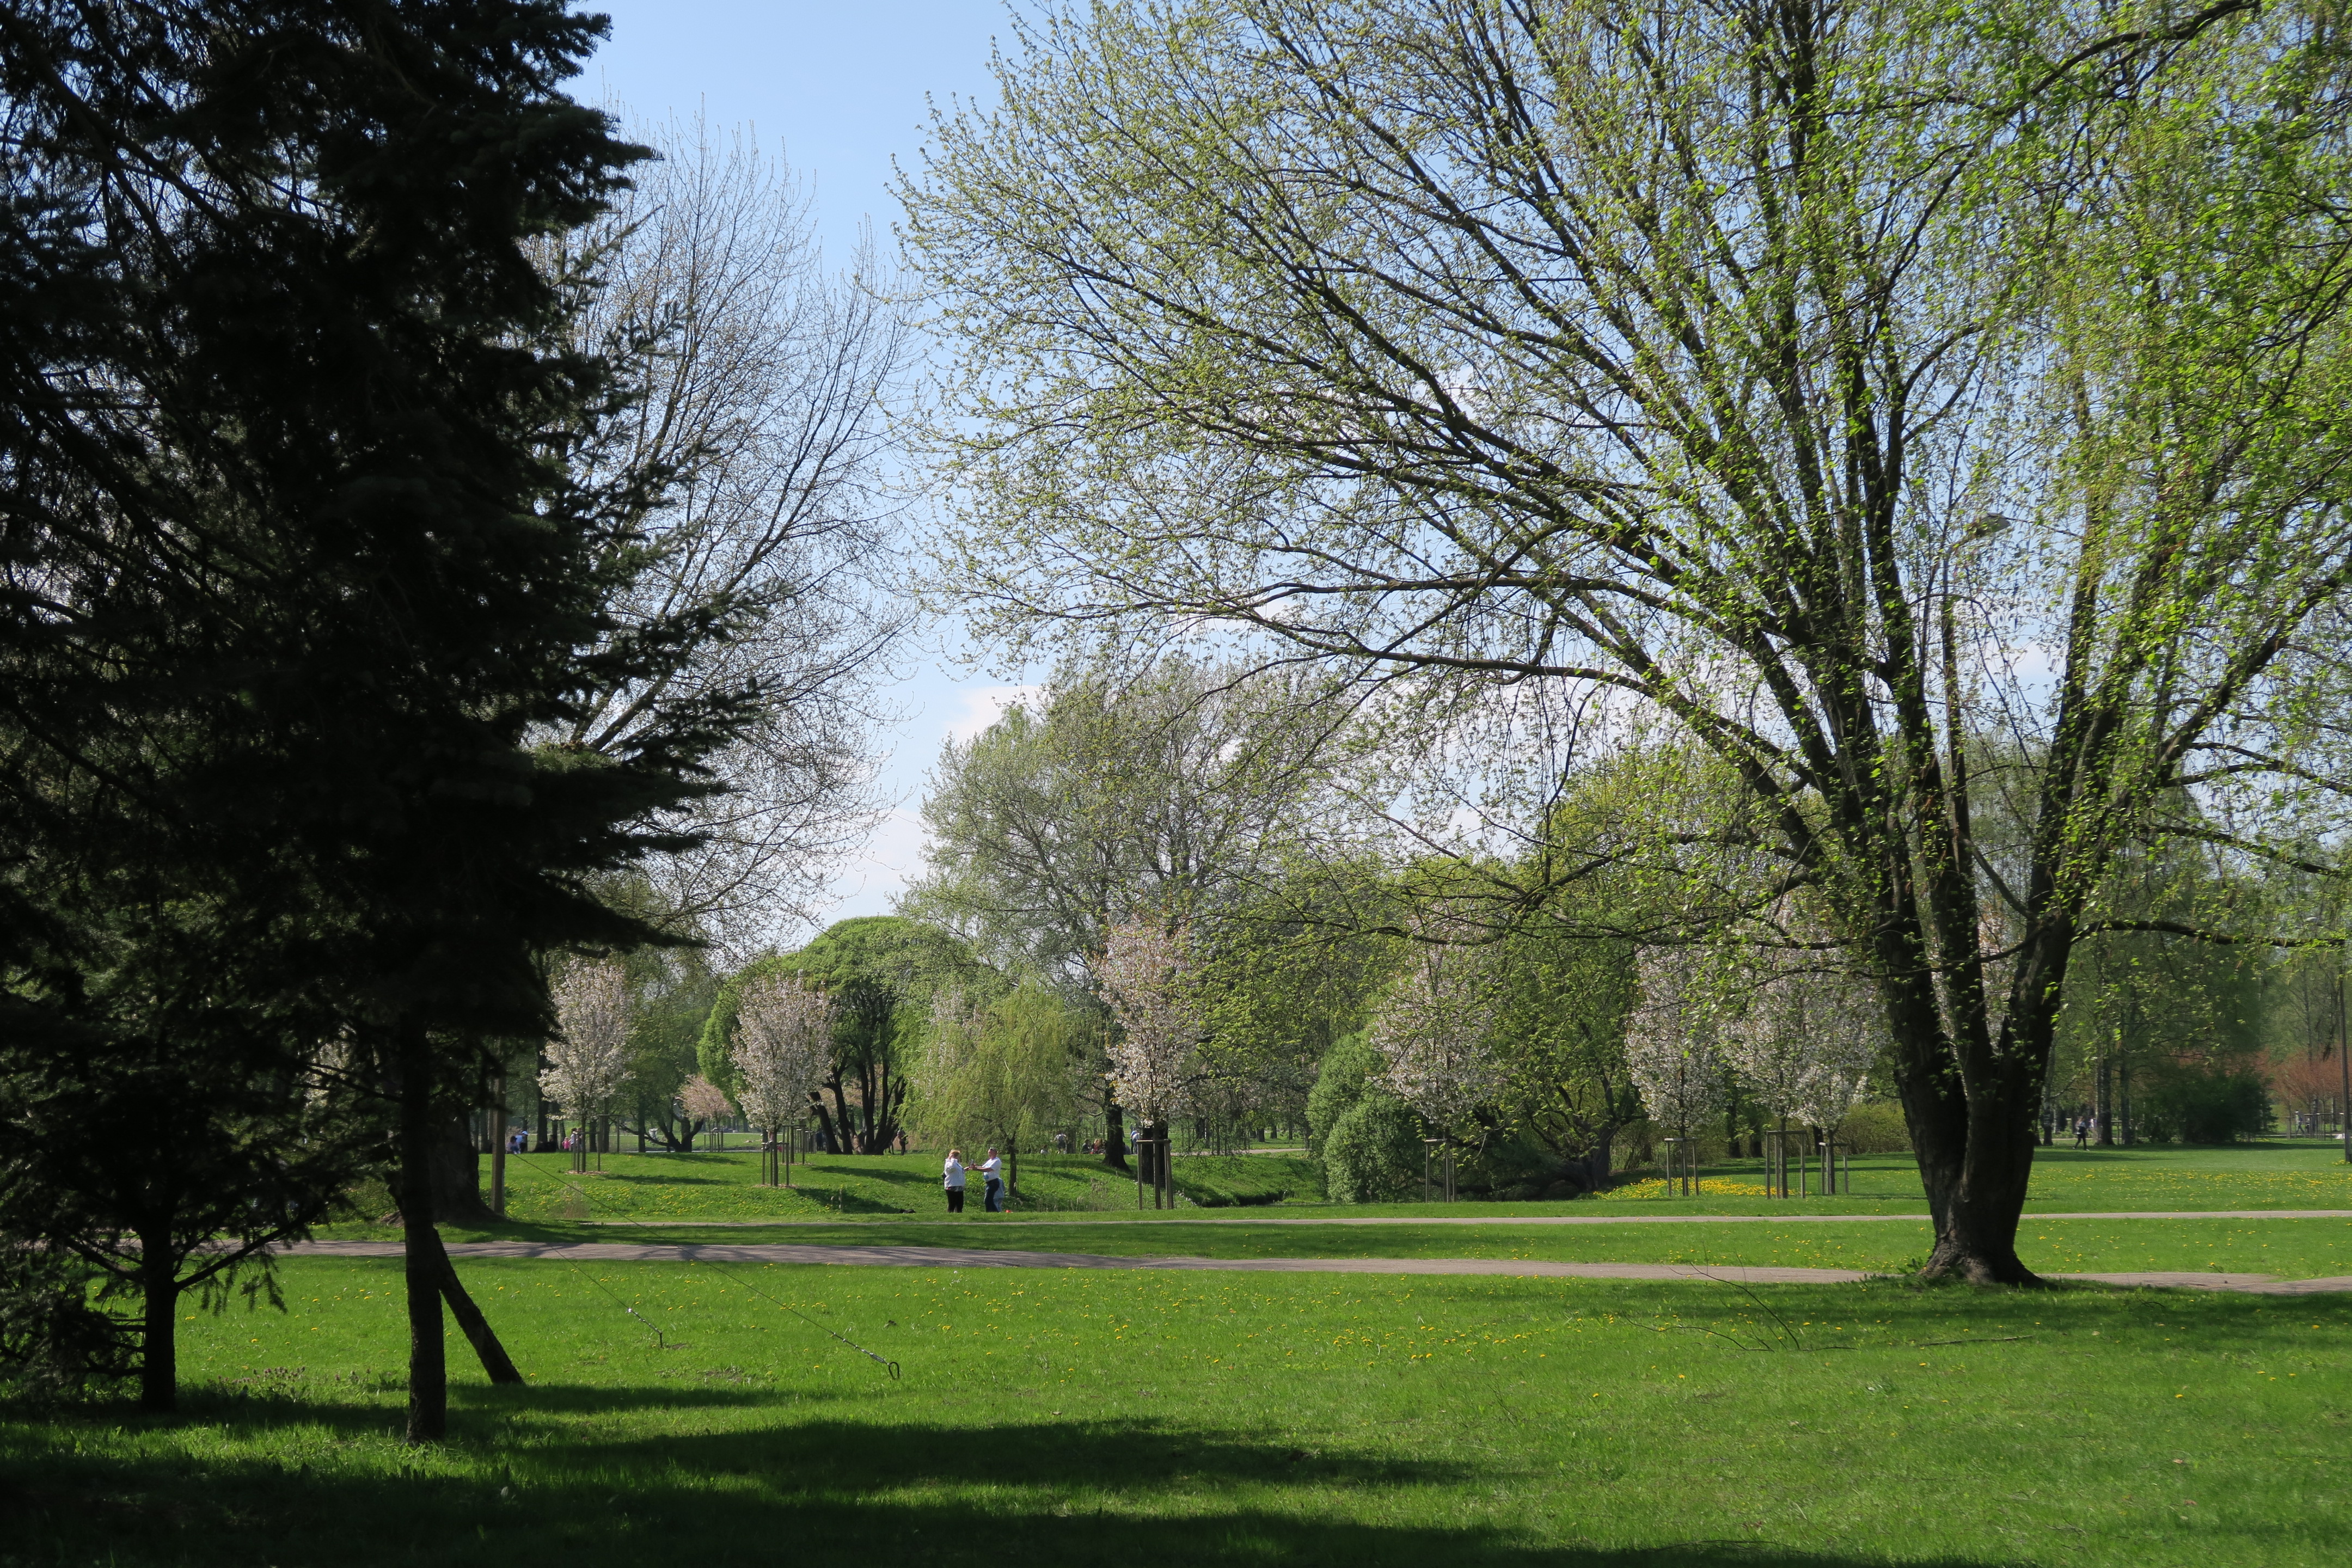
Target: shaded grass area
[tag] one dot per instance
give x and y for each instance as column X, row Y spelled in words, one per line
column 1227, row 1420
column 2289, row 1248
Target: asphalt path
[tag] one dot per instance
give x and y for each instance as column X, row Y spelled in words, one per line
column 972, row 1258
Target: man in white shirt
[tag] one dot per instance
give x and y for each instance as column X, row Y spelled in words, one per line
column 991, row 1172
column 955, row 1181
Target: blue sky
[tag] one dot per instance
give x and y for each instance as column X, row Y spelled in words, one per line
column 842, row 90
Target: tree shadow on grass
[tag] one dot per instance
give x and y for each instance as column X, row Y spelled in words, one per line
column 917, row 1493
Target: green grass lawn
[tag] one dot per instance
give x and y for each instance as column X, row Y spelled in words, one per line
column 723, row 1188
column 1223, row 1419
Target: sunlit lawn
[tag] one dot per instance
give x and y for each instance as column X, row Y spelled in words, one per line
column 1224, row 1420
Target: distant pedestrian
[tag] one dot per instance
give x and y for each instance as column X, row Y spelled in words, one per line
column 991, row 1172
column 954, row 1178
column 2082, row 1133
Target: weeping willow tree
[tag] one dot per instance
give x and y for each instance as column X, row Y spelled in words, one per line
column 1823, row 389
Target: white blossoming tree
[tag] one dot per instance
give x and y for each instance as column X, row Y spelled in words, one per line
column 1802, row 1033
column 1146, row 972
column 588, row 1059
column 783, row 1042
column 1434, row 1029
column 1672, row 1051
column 708, row 1103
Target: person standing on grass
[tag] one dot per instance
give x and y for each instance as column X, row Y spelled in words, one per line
column 955, row 1181
column 992, row 1172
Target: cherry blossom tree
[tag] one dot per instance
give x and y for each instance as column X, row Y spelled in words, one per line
column 588, row 1059
column 1434, row 1029
column 1801, row 1030
column 705, row 1102
column 1146, row 973
column 783, row 1043
column 1672, row 1050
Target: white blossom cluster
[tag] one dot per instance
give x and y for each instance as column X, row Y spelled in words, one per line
column 588, row 1059
column 1435, row 1030
column 783, row 1043
column 704, row 1100
column 1798, row 1030
column 1672, row 1051
column 1146, row 975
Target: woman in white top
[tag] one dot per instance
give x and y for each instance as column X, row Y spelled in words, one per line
column 955, row 1181
column 991, row 1172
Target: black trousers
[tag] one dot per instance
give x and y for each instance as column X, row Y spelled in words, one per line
column 955, row 1200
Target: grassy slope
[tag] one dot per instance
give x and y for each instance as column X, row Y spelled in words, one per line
column 1299, row 1419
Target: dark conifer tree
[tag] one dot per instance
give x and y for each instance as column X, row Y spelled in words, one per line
column 297, row 571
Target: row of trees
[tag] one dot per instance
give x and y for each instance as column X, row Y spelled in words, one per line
column 1491, row 999
column 406, row 585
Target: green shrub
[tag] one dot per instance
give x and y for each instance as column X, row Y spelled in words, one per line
column 1875, row 1128
column 1515, row 1166
column 1373, row 1153
column 1339, row 1083
column 2199, row 1105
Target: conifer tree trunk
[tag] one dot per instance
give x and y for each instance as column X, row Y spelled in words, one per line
column 426, row 1261
column 158, row 1360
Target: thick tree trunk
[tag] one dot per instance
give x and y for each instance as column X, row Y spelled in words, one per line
column 456, row 1167
column 1976, row 1157
column 1596, row 1161
column 420, row 1137
column 1115, row 1140
column 159, row 1345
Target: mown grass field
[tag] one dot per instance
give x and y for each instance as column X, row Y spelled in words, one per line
column 723, row 1188
column 1223, row 1419
column 895, row 1201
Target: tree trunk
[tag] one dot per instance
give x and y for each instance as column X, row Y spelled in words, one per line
column 1596, row 1161
column 477, row 1328
column 421, row 1138
column 2106, row 1111
column 159, row 1346
column 1976, row 1157
column 457, row 1168
column 1115, row 1140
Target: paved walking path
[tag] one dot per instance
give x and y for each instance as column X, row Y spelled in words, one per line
column 977, row 1258
column 1480, row 1220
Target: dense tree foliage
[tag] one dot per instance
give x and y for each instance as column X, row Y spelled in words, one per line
column 1812, row 389
column 299, row 574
